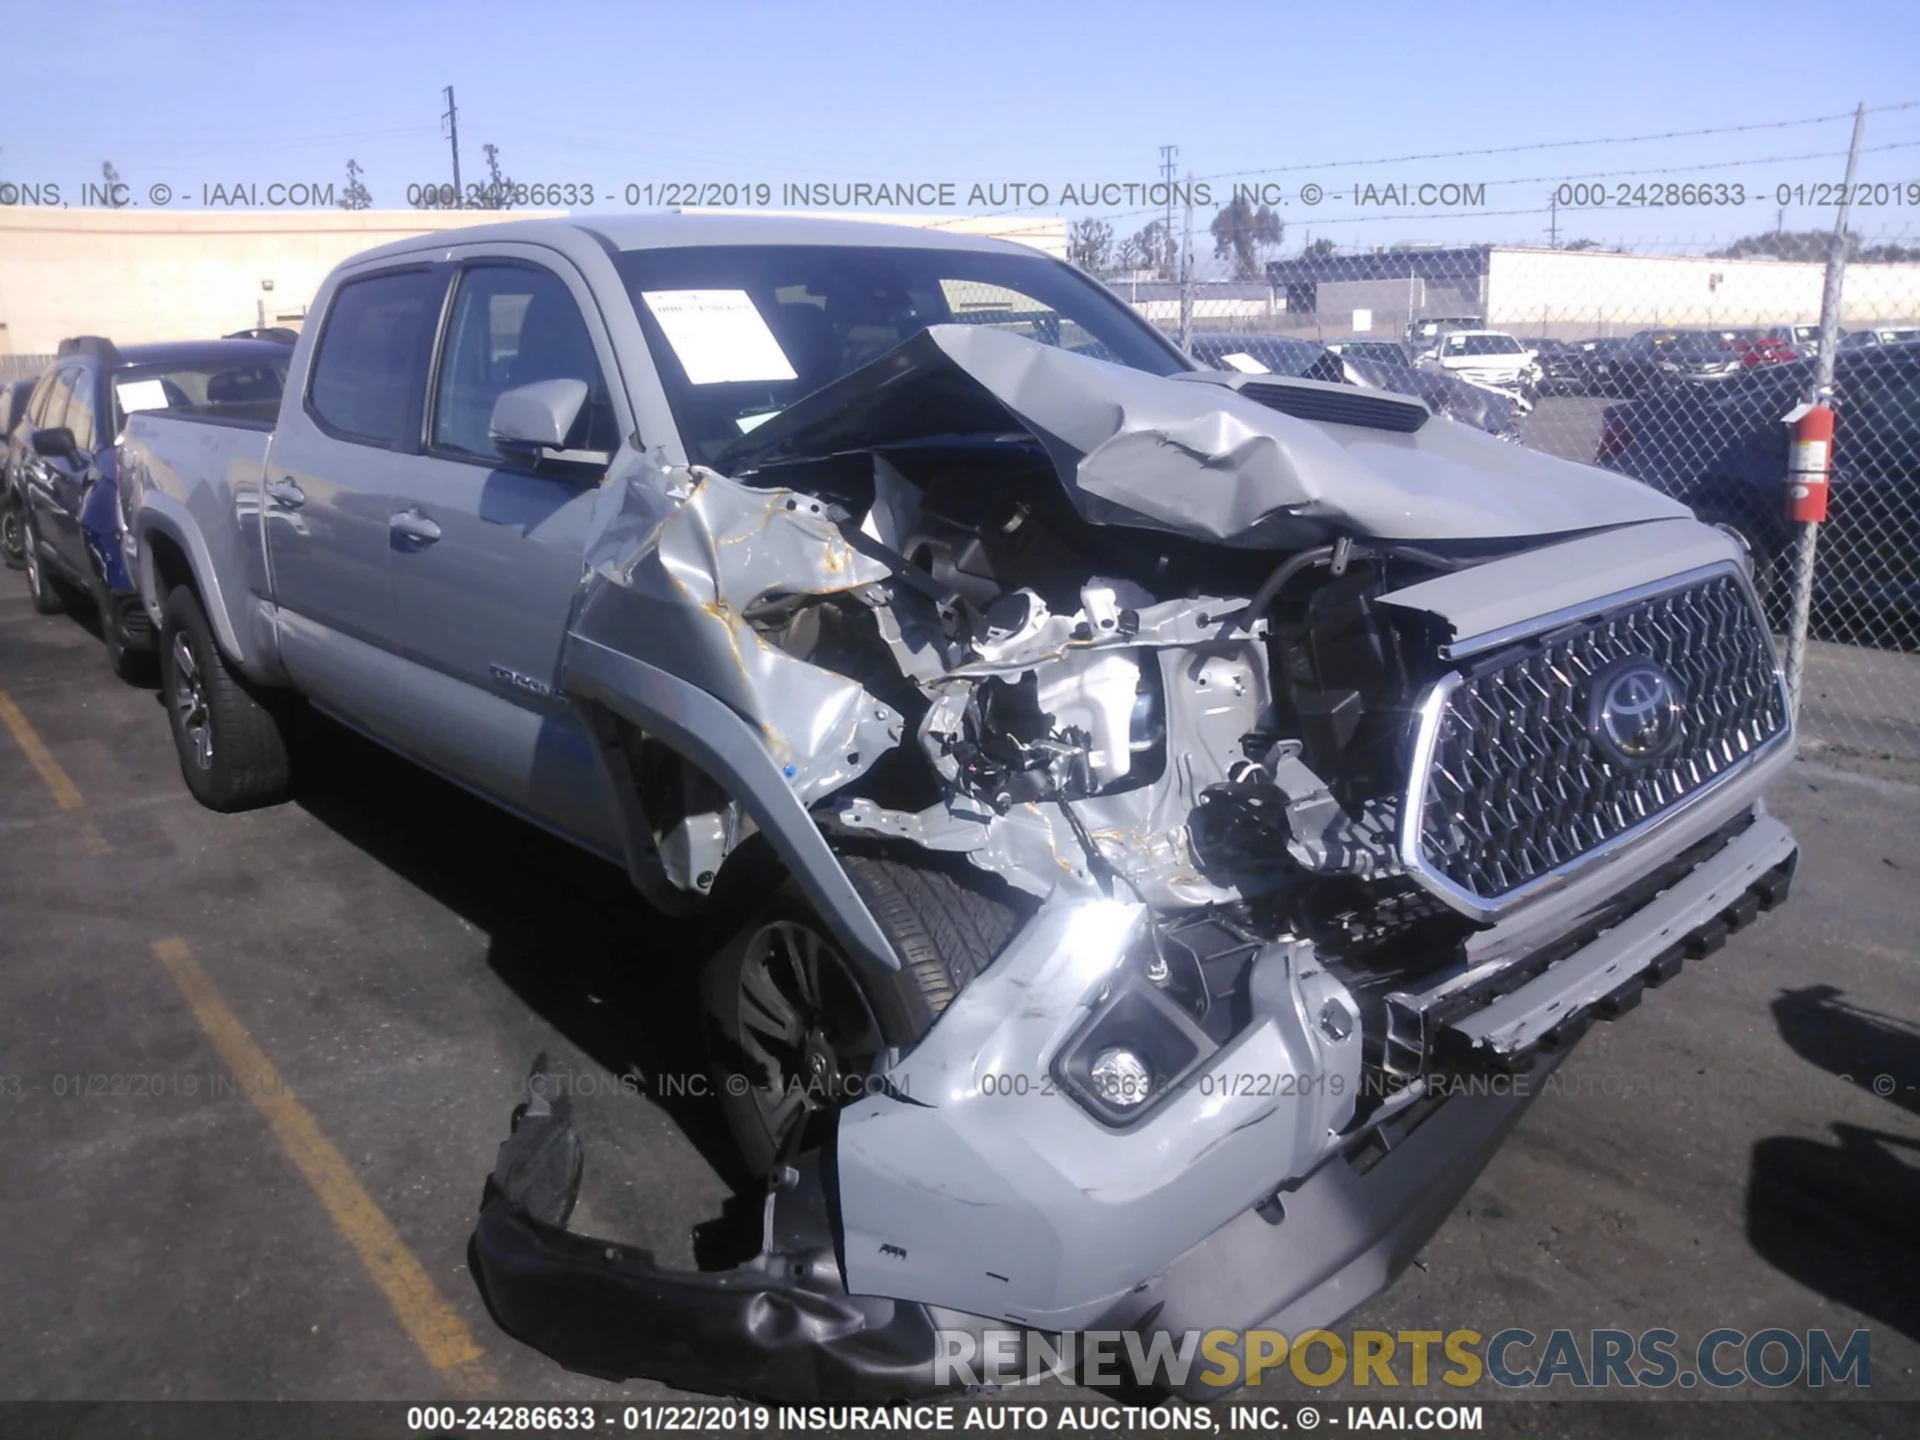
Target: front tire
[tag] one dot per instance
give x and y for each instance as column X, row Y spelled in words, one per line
column 795, row 1029
column 232, row 741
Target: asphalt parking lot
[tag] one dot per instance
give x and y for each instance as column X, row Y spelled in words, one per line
column 254, row 1069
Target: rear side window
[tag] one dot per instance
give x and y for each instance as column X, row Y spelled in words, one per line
column 369, row 370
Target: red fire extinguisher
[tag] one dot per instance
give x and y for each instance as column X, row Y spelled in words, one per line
column 1808, row 461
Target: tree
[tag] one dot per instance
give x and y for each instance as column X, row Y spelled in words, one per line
column 357, row 196
column 1581, row 244
column 498, row 194
column 1241, row 231
column 112, row 178
column 1319, row 249
column 1090, row 245
column 1786, row 245
column 1152, row 247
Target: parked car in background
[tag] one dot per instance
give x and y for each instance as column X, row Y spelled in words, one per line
column 1422, row 333
column 1879, row 335
column 1266, row 354
column 1803, row 340
column 278, row 334
column 64, row 454
column 1723, row 451
column 13, row 411
column 1563, row 366
column 1381, row 352
column 1757, row 347
column 1655, row 359
column 1488, row 357
column 1389, row 365
column 1597, row 353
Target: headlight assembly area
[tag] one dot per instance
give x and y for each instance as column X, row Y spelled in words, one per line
column 935, row 778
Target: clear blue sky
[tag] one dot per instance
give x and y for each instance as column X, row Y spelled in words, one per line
column 193, row 94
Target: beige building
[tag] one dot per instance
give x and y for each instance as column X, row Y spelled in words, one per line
column 142, row 275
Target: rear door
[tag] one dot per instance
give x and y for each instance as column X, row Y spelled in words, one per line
column 489, row 553
column 329, row 492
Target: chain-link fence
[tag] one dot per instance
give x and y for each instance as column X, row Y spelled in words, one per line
column 1676, row 367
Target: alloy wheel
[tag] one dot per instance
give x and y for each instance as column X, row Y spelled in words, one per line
column 805, row 1027
column 190, row 702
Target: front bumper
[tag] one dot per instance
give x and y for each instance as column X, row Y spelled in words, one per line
column 949, row 1203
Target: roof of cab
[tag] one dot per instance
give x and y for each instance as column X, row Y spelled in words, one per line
column 195, row 352
column 671, row 231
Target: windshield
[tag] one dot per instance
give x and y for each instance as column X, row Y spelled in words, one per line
column 740, row 332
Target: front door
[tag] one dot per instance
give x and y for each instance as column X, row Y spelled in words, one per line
column 489, row 553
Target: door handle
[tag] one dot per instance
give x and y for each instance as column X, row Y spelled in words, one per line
column 286, row 494
column 413, row 528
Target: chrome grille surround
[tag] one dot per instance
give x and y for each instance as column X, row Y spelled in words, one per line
column 1508, row 794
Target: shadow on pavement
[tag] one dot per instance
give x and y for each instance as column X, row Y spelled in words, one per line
column 566, row 931
column 1840, row 1218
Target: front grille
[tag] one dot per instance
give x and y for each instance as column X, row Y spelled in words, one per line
column 1517, row 788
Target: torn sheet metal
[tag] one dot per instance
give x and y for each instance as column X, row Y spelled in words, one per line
column 713, row 552
column 1201, row 460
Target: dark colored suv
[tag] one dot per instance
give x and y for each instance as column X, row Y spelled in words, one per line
column 61, row 463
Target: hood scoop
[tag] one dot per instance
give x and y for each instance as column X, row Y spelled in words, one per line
column 1328, row 404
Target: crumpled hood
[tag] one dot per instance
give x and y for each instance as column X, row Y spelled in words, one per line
column 1194, row 456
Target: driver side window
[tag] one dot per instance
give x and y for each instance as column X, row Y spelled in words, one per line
column 513, row 325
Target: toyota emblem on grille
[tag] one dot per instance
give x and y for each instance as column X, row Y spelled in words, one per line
column 1633, row 711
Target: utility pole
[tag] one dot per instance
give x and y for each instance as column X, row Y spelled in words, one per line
column 1168, row 154
column 452, row 121
column 1186, row 271
column 1553, row 221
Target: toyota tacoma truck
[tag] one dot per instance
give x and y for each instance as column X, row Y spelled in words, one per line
column 1131, row 798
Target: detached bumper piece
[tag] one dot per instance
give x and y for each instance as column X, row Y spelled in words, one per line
column 780, row 1327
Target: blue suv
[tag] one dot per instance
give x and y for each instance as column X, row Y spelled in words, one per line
column 61, row 464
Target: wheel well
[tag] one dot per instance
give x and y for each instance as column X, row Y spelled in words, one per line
column 170, row 567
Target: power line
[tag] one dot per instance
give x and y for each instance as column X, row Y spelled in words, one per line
column 1709, row 165
column 1567, row 144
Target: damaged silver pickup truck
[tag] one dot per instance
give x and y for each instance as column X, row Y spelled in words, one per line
column 1136, row 794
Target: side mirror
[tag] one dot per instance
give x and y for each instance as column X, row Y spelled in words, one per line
column 531, row 420
column 56, row 443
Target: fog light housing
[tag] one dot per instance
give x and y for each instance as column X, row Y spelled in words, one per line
column 1132, row 1052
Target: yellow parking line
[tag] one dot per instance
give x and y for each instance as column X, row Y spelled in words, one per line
column 66, row 794
column 435, row 1326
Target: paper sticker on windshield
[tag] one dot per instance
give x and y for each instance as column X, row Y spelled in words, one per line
column 1244, row 363
column 141, row 395
column 719, row 336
